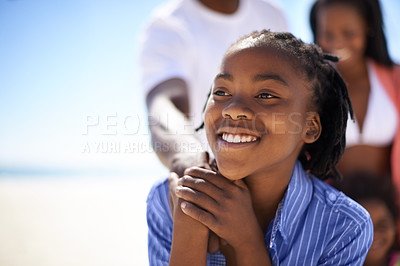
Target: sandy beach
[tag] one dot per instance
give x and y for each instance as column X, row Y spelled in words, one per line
column 64, row 221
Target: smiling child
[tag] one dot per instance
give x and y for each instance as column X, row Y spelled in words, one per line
column 275, row 122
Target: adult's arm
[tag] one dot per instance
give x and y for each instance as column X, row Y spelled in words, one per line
column 172, row 133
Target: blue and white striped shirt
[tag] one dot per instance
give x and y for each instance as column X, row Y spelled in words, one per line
column 314, row 225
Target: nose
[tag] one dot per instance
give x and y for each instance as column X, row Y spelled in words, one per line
column 237, row 110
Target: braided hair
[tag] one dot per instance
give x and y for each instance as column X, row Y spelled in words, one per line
column 330, row 97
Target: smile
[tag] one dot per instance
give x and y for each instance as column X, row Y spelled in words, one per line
column 343, row 53
column 237, row 138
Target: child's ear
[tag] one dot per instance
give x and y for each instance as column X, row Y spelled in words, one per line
column 313, row 127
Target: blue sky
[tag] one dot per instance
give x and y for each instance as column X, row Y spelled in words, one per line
column 67, row 64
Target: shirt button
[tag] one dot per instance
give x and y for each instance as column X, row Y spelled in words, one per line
column 332, row 196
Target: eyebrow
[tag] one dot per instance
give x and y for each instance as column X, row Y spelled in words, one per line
column 225, row 76
column 256, row 78
column 263, row 77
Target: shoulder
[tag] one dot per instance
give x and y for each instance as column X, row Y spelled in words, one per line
column 386, row 72
column 339, row 203
column 265, row 4
column 319, row 223
column 270, row 14
column 349, row 228
column 348, row 221
column 396, row 75
column 390, row 79
column 318, row 205
column 267, row 7
column 168, row 17
column 395, row 67
column 168, row 10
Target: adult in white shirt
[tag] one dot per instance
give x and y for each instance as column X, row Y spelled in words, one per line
column 182, row 46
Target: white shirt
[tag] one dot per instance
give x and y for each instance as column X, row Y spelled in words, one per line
column 381, row 119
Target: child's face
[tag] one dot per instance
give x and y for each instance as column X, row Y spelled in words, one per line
column 257, row 112
column 384, row 229
column 342, row 31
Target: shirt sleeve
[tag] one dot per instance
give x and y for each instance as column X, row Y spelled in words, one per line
column 159, row 223
column 351, row 246
column 165, row 52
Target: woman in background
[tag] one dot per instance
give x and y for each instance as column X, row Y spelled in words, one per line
column 353, row 31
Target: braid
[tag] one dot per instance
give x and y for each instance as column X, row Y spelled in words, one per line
column 330, row 98
column 330, row 94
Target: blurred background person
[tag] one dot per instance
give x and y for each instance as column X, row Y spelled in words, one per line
column 182, row 46
column 353, row 31
column 379, row 199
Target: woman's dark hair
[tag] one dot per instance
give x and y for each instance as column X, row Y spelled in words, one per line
column 370, row 10
column 361, row 186
column 330, row 97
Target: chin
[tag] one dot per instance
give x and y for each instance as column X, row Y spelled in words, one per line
column 230, row 172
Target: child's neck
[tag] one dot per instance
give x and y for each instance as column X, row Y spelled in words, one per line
column 267, row 190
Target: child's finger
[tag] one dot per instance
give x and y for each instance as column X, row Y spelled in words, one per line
column 198, row 198
column 209, row 175
column 201, row 185
column 198, row 214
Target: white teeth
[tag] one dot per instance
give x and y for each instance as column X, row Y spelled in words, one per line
column 231, row 138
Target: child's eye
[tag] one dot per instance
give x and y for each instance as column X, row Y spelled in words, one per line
column 220, row 93
column 265, row 96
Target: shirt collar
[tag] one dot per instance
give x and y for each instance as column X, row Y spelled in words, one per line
column 295, row 201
